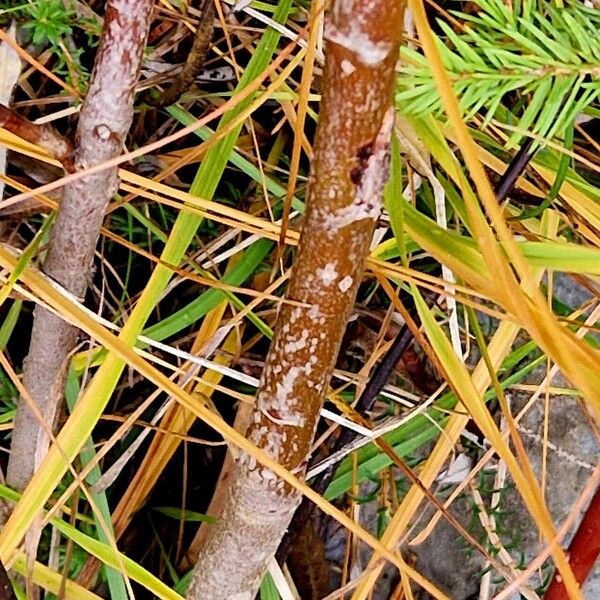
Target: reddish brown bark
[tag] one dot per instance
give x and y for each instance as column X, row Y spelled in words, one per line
column 348, row 172
column 105, row 119
column 195, row 60
column 43, row 135
column 583, row 551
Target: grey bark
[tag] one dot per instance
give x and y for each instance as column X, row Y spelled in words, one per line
column 105, row 119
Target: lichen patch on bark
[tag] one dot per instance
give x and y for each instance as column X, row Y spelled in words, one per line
column 327, row 274
column 366, row 50
column 345, row 284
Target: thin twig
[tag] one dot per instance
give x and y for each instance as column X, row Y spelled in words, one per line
column 195, row 59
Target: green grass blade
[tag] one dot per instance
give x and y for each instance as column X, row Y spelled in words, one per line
column 114, row 579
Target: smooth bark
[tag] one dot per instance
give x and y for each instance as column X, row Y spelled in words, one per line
column 583, row 551
column 348, row 172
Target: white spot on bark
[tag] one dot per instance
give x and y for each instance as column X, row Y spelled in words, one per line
column 328, row 274
column 294, row 316
column 345, row 284
column 268, row 475
column 347, row 67
column 280, row 409
column 314, row 312
column 355, row 40
column 103, row 132
column 275, row 440
column 286, row 387
column 348, row 215
column 294, row 345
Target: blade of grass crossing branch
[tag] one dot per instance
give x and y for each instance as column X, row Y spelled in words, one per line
column 498, row 348
column 34, row 497
column 114, row 579
column 93, row 401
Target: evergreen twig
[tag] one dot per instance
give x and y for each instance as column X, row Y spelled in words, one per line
column 549, row 55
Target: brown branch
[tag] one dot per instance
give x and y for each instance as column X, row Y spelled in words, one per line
column 105, row 119
column 44, row 136
column 583, row 551
column 305, row 516
column 348, row 172
column 195, row 59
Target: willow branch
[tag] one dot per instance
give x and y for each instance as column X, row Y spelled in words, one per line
column 45, row 136
column 105, row 119
column 349, row 169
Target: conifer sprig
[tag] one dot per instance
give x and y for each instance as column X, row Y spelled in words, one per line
column 546, row 58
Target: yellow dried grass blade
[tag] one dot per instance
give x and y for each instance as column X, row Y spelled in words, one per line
column 578, row 361
column 52, row 581
column 498, row 349
column 177, row 420
column 484, row 236
column 66, row 446
column 459, row 378
column 585, row 207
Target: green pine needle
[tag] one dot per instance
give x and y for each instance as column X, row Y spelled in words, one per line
column 549, row 55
